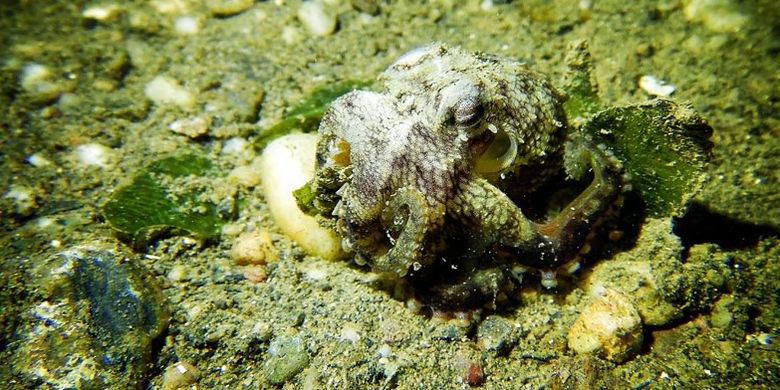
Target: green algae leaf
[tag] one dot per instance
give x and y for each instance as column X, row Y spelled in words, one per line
column 305, row 116
column 304, row 197
column 580, row 86
column 664, row 147
column 148, row 205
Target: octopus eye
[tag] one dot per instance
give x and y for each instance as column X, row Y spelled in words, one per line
column 468, row 111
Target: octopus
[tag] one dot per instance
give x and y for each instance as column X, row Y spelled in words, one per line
column 426, row 178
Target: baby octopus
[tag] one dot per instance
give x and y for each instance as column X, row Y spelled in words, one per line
column 423, row 179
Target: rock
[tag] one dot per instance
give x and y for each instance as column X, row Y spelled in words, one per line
column 661, row 286
column 165, row 91
column 253, row 248
column 288, row 164
column 179, row 375
column 496, row 335
column 192, row 127
column 370, row 7
column 94, row 324
column 288, row 357
column 316, row 18
column 224, row 8
column 609, row 327
column 39, row 82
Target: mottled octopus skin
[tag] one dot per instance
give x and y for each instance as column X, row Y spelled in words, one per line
column 418, row 175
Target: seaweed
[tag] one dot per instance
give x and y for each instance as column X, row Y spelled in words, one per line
column 305, row 116
column 664, row 147
column 147, row 206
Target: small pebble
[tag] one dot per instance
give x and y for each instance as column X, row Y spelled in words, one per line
column 246, row 176
column 23, row 199
column 38, row 81
column 655, row 87
column 370, row 7
column 101, row 12
column 179, row 375
column 316, row 18
column 609, row 327
column 38, row 160
column 193, row 127
column 287, row 357
column 496, row 335
column 224, row 8
column 93, row 155
column 254, row 248
column 178, row 273
column 186, row 25
column 165, row 91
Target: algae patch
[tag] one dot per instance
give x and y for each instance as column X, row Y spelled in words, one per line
column 664, row 147
column 149, row 203
column 305, row 116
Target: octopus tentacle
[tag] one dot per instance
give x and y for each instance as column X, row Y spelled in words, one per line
column 493, row 213
column 408, row 220
column 569, row 229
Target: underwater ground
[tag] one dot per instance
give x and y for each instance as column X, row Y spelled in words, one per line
column 103, row 99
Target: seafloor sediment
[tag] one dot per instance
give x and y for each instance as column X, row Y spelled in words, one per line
column 93, row 92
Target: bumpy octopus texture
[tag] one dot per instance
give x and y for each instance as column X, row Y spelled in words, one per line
column 421, row 180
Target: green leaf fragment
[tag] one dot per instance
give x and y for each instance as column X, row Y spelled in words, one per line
column 580, row 86
column 304, row 197
column 305, row 116
column 663, row 146
column 147, row 204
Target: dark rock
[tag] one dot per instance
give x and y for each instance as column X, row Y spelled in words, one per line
column 288, row 357
column 95, row 323
column 497, row 336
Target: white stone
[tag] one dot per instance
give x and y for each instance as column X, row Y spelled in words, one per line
column 101, row 12
column 287, row 164
column 38, row 81
column 33, row 74
column 38, row 161
column 20, row 195
column 93, row 155
column 235, row 146
column 655, row 87
column 186, row 25
column 192, row 127
column 316, row 18
column 165, row 91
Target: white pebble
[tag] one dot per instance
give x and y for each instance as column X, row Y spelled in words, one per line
column 37, row 160
column 32, row 74
column 186, row 25
column 164, row 91
column 235, row 146
column 318, row 20
column 192, row 127
column 21, row 196
column 655, row 87
column 38, row 81
column 349, row 332
column 101, row 12
column 93, row 155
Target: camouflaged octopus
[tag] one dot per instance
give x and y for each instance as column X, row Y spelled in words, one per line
column 423, row 179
